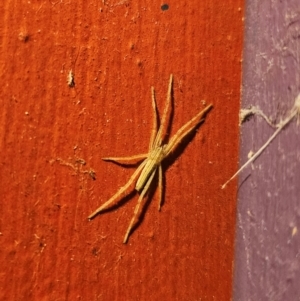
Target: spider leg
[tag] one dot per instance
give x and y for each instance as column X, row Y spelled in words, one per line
column 186, row 129
column 160, row 186
column 163, row 124
column 137, row 207
column 155, row 118
column 119, row 192
column 126, row 160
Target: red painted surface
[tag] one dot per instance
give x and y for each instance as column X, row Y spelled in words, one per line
column 116, row 50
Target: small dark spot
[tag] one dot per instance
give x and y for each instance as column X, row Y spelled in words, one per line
column 92, row 174
column 139, row 62
column 165, row 7
column 24, row 36
column 95, row 251
column 58, row 206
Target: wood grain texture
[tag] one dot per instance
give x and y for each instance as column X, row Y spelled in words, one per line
column 267, row 248
column 116, row 50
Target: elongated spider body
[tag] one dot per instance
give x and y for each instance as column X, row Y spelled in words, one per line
column 151, row 164
column 153, row 159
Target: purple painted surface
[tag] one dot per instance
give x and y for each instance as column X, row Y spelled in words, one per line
column 267, row 264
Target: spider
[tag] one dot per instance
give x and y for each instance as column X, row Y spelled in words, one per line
column 153, row 159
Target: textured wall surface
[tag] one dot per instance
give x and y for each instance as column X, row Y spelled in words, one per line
column 267, row 260
column 53, row 136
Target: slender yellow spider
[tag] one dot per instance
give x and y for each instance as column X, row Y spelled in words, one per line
column 152, row 160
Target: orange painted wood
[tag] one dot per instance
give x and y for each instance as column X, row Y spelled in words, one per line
column 116, row 50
